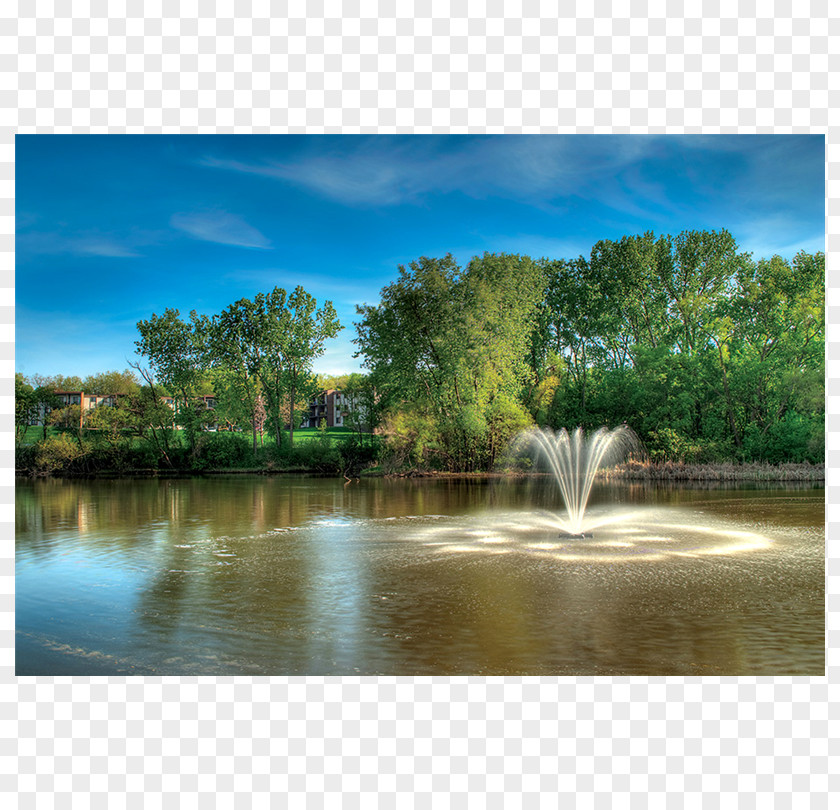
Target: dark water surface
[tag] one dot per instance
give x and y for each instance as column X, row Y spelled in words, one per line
column 312, row 576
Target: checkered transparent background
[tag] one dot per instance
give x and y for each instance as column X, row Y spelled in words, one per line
column 206, row 66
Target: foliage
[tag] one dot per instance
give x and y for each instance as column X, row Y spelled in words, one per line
column 25, row 407
column 223, row 450
column 447, row 352
column 176, row 355
column 265, row 348
column 707, row 353
column 56, row 453
column 111, row 382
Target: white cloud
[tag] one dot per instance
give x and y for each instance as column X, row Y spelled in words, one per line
column 221, row 227
column 84, row 244
column 385, row 171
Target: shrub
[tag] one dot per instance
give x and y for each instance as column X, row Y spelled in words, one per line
column 794, row 438
column 222, row 450
column 25, row 458
column 317, row 455
column 666, row 444
column 58, row 453
column 356, row 455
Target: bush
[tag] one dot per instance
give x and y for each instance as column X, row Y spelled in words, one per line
column 25, row 458
column 319, row 455
column 219, row 450
column 794, row 438
column 666, row 444
column 58, row 453
column 356, row 455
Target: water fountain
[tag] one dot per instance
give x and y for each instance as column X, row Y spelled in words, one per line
column 524, row 517
column 574, row 460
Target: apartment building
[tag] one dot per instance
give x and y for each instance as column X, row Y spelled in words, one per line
column 333, row 406
column 90, row 401
column 86, row 401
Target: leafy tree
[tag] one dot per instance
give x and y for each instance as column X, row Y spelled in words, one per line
column 177, row 358
column 299, row 330
column 289, row 334
column 364, row 411
column 259, row 416
column 25, row 406
column 234, row 350
column 454, row 343
column 58, row 382
column 111, row 382
column 33, row 405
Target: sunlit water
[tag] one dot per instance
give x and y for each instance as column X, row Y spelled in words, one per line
column 243, row 575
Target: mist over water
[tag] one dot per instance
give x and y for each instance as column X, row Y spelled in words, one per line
column 242, row 575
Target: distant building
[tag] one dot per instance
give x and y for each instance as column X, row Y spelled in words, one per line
column 90, row 401
column 333, row 406
column 208, row 401
column 85, row 401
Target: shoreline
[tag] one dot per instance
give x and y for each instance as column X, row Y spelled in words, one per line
column 630, row 471
column 661, row 471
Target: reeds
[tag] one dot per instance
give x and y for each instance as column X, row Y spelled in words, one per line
column 723, row 471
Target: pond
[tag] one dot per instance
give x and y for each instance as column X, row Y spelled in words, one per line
column 256, row 575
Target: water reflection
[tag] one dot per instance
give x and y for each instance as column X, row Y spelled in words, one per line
column 309, row 576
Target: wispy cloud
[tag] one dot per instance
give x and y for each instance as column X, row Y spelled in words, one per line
column 652, row 179
column 87, row 243
column 220, row 226
column 385, row 171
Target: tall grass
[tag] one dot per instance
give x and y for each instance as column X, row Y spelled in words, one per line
column 721, row 471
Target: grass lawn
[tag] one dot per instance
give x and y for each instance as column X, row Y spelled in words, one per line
column 337, row 435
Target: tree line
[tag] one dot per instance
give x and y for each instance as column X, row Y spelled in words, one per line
column 254, row 357
column 707, row 353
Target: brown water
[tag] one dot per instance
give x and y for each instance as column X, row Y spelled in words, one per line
column 312, row 576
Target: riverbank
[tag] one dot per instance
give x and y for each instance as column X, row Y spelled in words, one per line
column 663, row 471
column 630, row 471
column 724, row 471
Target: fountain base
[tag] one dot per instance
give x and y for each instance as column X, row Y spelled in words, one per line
column 577, row 535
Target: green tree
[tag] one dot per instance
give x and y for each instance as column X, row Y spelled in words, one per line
column 451, row 346
column 300, row 331
column 176, row 353
column 268, row 345
column 234, row 348
column 25, row 406
column 769, row 338
column 111, row 382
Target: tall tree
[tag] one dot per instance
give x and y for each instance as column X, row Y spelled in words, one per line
column 111, row 382
column 300, row 330
column 267, row 346
column 25, row 406
column 176, row 353
column 449, row 345
column 234, row 350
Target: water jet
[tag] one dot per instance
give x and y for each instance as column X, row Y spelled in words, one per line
column 574, row 460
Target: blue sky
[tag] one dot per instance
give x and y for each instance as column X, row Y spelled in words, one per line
column 111, row 228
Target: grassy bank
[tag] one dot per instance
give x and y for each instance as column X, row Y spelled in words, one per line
column 661, row 471
column 337, row 451
column 723, row 471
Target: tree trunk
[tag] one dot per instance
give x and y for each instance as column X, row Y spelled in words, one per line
column 730, row 412
column 292, row 415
